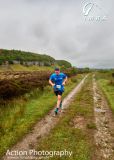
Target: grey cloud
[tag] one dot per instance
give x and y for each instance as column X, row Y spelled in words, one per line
column 58, row 28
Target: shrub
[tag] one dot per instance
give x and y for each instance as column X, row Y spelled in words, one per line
column 74, row 79
column 111, row 82
column 23, row 84
column 10, row 62
column 18, row 83
column 113, row 75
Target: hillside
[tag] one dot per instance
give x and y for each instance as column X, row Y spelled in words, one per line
column 29, row 58
column 63, row 63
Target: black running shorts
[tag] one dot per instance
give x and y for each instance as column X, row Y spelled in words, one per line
column 58, row 93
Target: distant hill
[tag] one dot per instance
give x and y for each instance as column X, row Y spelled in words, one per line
column 29, row 58
column 15, row 56
column 64, row 63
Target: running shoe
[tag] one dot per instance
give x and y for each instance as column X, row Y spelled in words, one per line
column 56, row 111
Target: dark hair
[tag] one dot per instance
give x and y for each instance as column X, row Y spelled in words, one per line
column 57, row 69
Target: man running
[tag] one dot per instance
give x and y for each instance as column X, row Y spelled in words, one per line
column 57, row 81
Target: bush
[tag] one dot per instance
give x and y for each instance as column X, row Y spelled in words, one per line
column 74, row 79
column 23, row 84
column 111, row 82
column 18, row 83
column 0, row 62
column 70, row 71
column 10, row 62
column 47, row 64
column 113, row 75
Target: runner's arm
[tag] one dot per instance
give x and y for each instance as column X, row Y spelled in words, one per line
column 50, row 82
column 65, row 80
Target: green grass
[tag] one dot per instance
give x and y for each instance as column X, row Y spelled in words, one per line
column 18, row 116
column 108, row 91
column 66, row 136
column 19, row 67
column 104, row 80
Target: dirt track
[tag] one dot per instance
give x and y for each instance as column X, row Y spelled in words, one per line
column 43, row 127
column 104, row 135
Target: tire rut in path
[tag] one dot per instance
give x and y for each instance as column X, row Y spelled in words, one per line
column 104, row 135
column 43, row 127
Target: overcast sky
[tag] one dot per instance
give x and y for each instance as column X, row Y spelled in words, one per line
column 60, row 28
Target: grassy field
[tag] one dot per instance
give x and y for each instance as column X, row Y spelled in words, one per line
column 18, row 67
column 75, row 130
column 104, row 81
column 66, row 135
column 19, row 115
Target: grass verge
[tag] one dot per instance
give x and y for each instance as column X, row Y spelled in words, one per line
column 104, row 82
column 19, row 67
column 108, row 91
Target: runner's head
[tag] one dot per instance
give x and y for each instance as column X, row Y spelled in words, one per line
column 57, row 70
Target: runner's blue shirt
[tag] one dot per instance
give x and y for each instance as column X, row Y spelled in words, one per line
column 58, row 79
